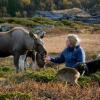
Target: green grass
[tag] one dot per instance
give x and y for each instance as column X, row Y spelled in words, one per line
column 15, row 96
column 42, row 21
column 84, row 81
column 96, row 76
column 43, row 75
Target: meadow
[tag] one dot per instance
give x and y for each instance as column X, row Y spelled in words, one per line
column 42, row 84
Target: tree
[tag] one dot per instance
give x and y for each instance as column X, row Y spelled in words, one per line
column 13, row 7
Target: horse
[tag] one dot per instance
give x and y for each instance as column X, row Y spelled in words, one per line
column 17, row 42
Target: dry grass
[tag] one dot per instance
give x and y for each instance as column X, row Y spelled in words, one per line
column 90, row 42
column 55, row 91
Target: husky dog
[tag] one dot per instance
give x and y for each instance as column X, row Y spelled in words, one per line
column 68, row 75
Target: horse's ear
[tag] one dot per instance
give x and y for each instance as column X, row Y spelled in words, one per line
column 31, row 33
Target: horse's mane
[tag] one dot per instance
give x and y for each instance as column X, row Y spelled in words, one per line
column 13, row 29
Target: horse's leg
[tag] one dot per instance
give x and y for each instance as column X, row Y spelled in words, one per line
column 22, row 61
column 16, row 61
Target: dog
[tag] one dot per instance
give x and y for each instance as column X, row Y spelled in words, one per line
column 93, row 66
column 70, row 75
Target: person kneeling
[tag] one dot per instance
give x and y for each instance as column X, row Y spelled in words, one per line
column 73, row 54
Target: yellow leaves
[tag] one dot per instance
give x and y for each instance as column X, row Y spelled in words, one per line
column 65, row 1
column 26, row 2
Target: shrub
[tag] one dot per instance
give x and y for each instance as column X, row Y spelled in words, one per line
column 42, row 75
column 2, row 20
column 66, row 22
column 59, row 23
column 5, row 69
column 84, row 81
column 96, row 76
column 15, row 96
column 43, row 21
column 22, row 21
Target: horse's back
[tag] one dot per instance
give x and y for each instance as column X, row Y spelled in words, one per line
column 15, row 29
column 12, row 40
column 3, row 33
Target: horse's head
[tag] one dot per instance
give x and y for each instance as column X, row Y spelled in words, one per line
column 40, row 33
column 39, row 48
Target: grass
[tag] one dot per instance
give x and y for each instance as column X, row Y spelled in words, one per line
column 42, row 85
column 43, row 75
column 15, row 96
column 30, row 22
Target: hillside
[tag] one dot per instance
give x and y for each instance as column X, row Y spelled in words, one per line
column 43, row 84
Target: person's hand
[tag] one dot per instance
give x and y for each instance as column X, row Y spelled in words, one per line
column 47, row 59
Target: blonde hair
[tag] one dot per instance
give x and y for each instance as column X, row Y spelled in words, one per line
column 74, row 39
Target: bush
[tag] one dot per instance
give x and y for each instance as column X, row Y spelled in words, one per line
column 44, row 21
column 41, row 21
column 21, row 21
column 5, row 69
column 15, row 96
column 66, row 22
column 84, row 81
column 42, row 75
column 2, row 20
column 96, row 76
column 39, row 76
